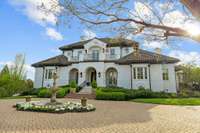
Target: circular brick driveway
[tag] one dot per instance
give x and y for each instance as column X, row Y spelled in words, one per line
column 110, row 116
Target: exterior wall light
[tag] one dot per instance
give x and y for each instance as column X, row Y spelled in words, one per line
column 81, row 74
column 99, row 74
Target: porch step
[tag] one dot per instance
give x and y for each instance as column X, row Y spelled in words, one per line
column 79, row 96
column 86, row 90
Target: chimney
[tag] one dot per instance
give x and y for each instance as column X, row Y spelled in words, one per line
column 158, row 53
column 135, row 49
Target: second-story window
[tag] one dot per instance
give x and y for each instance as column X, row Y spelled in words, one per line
column 95, row 54
column 79, row 54
column 112, row 51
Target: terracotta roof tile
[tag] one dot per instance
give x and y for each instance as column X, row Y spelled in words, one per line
column 59, row 60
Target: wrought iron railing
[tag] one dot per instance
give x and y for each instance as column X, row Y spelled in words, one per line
column 91, row 57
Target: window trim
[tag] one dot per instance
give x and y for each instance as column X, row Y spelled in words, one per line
column 140, row 76
column 47, row 73
column 165, row 74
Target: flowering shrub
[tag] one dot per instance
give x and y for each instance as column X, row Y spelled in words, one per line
column 54, row 108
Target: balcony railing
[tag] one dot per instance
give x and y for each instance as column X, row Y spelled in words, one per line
column 91, row 57
column 74, row 58
column 94, row 57
column 111, row 57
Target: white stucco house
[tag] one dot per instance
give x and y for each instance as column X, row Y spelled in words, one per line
column 111, row 62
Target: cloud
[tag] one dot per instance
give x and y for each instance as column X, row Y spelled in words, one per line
column 30, row 70
column 154, row 44
column 186, row 57
column 53, row 34
column 42, row 12
column 39, row 11
column 88, row 34
column 142, row 11
column 175, row 19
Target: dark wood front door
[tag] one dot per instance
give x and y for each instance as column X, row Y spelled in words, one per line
column 93, row 76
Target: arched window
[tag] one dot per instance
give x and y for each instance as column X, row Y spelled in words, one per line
column 73, row 75
column 111, row 77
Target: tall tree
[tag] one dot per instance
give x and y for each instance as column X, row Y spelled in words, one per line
column 154, row 19
column 13, row 77
column 17, row 69
column 193, row 7
column 5, row 70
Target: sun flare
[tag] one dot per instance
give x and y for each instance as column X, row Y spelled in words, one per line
column 193, row 29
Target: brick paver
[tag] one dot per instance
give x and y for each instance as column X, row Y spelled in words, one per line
column 110, row 117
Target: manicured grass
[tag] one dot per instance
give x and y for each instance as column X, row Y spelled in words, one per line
column 17, row 97
column 170, row 101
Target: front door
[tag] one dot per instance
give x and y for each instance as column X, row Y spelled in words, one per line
column 93, row 76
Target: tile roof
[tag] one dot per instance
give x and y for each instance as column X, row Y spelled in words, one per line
column 59, row 60
column 111, row 42
column 144, row 56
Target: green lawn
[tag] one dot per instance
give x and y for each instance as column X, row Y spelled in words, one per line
column 170, row 101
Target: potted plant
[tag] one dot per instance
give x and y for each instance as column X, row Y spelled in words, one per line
column 83, row 101
column 94, row 84
column 28, row 98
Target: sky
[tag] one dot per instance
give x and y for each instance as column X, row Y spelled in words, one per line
column 24, row 32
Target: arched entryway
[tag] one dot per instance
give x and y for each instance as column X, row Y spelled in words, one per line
column 111, row 77
column 91, row 74
column 73, row 75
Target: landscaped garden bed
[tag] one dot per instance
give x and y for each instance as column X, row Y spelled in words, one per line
column 41, row 106
column 122, row 94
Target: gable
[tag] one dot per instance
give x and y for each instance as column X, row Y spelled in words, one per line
column 95, row 43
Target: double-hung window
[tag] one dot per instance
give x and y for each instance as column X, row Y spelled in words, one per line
column 165, row 74
column 49, row 73
column 140, row 73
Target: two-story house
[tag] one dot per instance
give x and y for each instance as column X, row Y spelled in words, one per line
column 110, row 62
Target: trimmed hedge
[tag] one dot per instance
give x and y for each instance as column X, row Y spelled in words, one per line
column 128, row 94
column 116, row 96
column 44, row 93
column 33, row 91
column 94, row 84
column 61, row 93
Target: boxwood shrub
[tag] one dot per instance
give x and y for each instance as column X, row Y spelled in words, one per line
column 44, row 93
column 61, row 93
column 116, row 96
column 117, row 93
column 33, row 91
